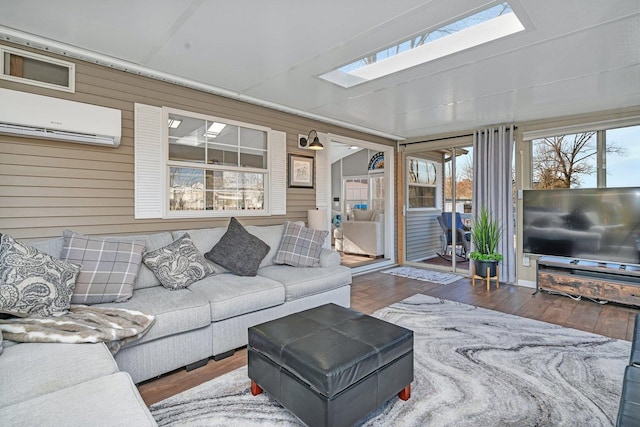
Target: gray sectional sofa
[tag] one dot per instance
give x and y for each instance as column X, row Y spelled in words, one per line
column 67, row 385
column 210, row 318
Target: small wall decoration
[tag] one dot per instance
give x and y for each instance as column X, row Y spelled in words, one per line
column 377, row 161
column 301, row 171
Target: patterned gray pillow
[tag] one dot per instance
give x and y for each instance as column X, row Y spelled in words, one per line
column 179, row 264
column 300, row 246
column 238, row 251
column 109, row 267
column 33, row 283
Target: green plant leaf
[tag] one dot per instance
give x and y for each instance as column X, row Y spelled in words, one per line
column 485, row 235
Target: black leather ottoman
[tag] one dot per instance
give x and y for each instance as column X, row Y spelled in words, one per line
column 330, row 365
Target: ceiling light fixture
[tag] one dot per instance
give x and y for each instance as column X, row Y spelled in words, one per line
column 315, row 142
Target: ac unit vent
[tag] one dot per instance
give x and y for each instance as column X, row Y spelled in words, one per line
column 38, row 116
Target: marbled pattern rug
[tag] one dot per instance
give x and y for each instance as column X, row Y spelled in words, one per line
column 438, row 277
column 473, row 367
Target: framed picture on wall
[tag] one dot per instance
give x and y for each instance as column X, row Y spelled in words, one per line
column 301, row 171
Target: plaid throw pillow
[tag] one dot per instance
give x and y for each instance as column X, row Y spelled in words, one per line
column 300, row 246
column 179, row 264
column 108, row 267
column 33, row 283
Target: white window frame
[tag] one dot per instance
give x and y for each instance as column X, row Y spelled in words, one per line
column 344, row 191
column 18, row 52
column 168, row 214
column 600, row 127
column 437, row 185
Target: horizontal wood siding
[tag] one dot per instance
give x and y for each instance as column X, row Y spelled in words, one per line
column 48, row 186
column 422, row 235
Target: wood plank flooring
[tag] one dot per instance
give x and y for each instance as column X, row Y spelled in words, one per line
column 371, row 292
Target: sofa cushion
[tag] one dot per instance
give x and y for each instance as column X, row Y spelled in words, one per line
column 178, row 264
column 32, row 282
column 307, row 281
column 111, row 400
column 33, row 369
column 230, row 295
column 272, row 236
column 362, row 215
column 51, row 247
column 145, row 278
column 300, row 246
column 204, row 239
column 175, row 311
column 238, row 251
column 108, row 267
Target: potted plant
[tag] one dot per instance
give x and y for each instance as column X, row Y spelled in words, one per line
column 485, row 236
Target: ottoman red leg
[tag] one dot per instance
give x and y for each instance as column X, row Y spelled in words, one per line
column 405, row 393
column 256, row 389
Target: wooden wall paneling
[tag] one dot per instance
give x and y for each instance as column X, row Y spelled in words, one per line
column 47, row 186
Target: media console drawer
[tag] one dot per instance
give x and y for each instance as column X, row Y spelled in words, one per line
column 627, row 294
column 589, row 279
column 570, row 284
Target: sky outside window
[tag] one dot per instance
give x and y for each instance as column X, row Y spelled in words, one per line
column 490, row 24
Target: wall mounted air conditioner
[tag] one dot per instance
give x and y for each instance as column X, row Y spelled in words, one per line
column 38, row 116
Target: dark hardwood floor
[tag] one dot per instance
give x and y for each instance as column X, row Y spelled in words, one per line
column 373, row 291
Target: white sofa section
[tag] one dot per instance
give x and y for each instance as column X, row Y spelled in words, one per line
column 364, row 236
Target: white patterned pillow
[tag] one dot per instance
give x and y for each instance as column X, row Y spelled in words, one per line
column 300, row 246
column 109, row 267
column 178, row 264
column 33, row 283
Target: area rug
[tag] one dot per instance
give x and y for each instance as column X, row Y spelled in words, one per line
column 473, row 367
column 439, row 277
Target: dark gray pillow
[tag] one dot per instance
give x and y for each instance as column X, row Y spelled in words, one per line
column 179, row 264
column 238, row 251
column 33, row 283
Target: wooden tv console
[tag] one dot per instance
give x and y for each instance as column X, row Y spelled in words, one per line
column 599, row 281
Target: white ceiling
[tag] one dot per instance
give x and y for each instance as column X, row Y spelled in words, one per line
column 575, row 56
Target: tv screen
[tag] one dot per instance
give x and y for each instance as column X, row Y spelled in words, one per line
column 600, row 224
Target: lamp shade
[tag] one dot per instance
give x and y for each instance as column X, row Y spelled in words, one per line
column 318, row 219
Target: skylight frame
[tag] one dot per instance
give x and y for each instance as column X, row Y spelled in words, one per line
column 438, row 43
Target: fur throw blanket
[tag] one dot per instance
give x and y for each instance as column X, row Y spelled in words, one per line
column 82, row 324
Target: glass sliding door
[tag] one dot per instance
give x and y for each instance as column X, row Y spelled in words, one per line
column 438, row 188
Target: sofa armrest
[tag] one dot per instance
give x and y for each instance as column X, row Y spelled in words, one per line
column 329, row 258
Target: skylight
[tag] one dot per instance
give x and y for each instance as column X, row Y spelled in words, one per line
column 215, row 129
column 482, row 27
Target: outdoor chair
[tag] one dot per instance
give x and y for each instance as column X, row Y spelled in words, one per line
column 463, row 235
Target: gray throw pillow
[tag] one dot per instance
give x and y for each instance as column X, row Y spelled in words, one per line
column 33, row 283
column 108, row 267
column 300, row 246
column 179, row 264
column 238, row 251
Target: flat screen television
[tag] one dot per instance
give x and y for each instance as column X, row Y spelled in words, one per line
column 599, row 224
